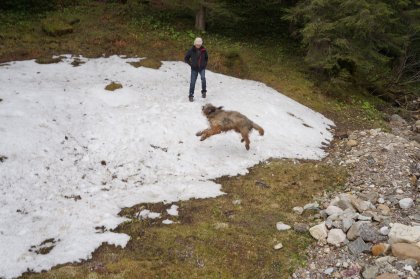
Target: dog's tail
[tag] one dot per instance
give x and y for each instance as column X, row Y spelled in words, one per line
column 259, row 128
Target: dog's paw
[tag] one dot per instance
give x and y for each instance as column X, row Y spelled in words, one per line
column 247, row 146
column 199, row 134
column 202, row 138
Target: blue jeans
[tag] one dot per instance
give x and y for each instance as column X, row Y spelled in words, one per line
column 194, row 75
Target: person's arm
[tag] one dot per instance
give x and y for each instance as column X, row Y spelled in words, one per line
column 187, row 58
column 206, row 57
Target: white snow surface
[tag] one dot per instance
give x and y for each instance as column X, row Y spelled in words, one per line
column 57, row 123
column 173, row 210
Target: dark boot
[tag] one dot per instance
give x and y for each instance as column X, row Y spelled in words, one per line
column 191, row 98
column 203, row 93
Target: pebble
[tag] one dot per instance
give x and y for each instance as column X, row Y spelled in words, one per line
column 403, row 233
column 370, row 272
column 332, row 209
column 236, row 202
column 278, row 246
column 384, row 209
column 282, row 227
column 336, row 237
column 358, row 246
column 300, row 227
column 384, row 230
column 352, row 143
column 319, row 232
column 329, row 271
column 406, row 203
column 311, row 206
column 298, row 210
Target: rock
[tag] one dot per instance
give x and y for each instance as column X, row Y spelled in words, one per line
column 352, row 143
column 408, row 268
column 346, row 224
column 298, row 210
column 344, row 203
column 368, row 233
column 359, row 204
column 384, row 230
column 311, row 206
column 282, row 227
column 384, row 209
column 385, row 260
column 381, row 200
column 371, row 196
column 388, row 276
column 403, row 233
column 416, row 126
column 380, row 249
column 410, row 262
column 396, row 119
column 364, row 218
column 415, row 138
column 300, row 227
column 406, row 251
column 415, row 217
column 332, row 209
column 375, row 216
column 236, row 202
column 319, row 232
column 358, row 246
column 406, row 203
column 336, row 237
column 329, row 271
column 278, row 246
column 329, row 223
column 354, row 231
column 370, row 272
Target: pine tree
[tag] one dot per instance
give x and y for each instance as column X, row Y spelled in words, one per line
column 360, row 39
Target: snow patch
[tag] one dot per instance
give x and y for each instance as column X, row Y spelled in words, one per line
column 167, row 222
column 173, row 210
column 77, row 154
column 147, row 214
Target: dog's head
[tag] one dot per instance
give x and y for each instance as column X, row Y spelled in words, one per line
column 208, row 109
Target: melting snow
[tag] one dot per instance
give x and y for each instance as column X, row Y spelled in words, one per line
column 77, row 154
column 147, row 214
column 173, row 210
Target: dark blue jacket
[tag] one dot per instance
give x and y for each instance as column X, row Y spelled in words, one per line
column 197, row 58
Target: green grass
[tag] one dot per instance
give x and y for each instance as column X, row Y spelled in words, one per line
column 113, row 86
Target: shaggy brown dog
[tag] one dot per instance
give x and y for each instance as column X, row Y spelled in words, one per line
column 223, row 121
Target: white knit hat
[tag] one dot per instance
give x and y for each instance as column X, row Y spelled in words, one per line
column 198, row 41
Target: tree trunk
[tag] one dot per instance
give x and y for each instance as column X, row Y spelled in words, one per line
column 200, row 18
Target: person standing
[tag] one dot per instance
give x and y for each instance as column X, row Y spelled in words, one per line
column 197, row 58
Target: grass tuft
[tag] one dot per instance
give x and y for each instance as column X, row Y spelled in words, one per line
column 113, row 86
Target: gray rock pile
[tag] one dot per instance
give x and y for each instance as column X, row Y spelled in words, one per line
column 372, row 228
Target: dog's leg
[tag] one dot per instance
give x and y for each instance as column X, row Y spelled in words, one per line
column 200, row 133
column 245, row 138
column 210, row 132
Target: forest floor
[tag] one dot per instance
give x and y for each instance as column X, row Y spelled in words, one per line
column 231, row 236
